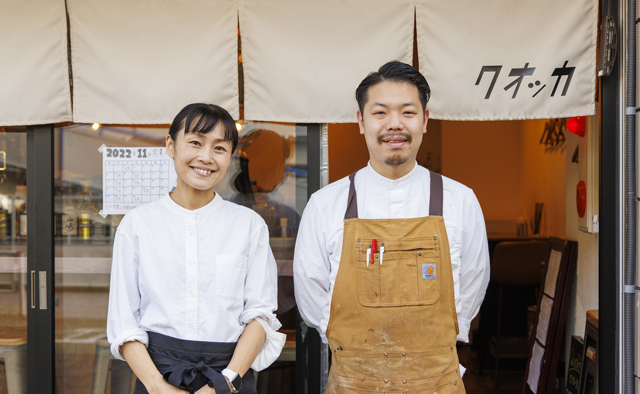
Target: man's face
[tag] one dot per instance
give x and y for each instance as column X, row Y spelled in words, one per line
column 201, row 160
column 393, row 123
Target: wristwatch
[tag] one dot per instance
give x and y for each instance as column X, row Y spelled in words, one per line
column 234, row 379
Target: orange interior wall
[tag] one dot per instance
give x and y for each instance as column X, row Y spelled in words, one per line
column 347, row 150
column 485, row 156
column 544, row 175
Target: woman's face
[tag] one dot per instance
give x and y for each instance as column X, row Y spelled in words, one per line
column 201, row 160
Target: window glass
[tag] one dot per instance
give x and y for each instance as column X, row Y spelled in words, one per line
column 268, row 175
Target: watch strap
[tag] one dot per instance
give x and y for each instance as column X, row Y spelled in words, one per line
column 234, row 378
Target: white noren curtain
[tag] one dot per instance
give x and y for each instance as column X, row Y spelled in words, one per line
column 304, row 59
column 34, row 71
column 140, row 62
column 504, row 59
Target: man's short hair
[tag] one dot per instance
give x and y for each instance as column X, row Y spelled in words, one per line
column 202, row 118
column 394, row 71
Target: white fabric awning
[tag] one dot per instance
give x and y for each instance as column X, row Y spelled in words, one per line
column 503, row 59
column 140, row 62
column 34, row 71
column 304, row 59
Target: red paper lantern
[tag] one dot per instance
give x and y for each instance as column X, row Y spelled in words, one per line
column 577, row 125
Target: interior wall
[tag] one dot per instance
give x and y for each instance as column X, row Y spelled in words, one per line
column 347, row 150
column 485, row 156
column 544, row 174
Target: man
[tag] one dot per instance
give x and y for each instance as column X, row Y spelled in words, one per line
column 391, row 263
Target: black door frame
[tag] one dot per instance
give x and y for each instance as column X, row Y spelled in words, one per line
column 40, row 261
column 610, row 258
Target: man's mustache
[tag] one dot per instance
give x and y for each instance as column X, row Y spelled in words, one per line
column 384, row 136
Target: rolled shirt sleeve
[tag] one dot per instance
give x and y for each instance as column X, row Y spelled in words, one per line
column 261, row 298
column 123, row 319
column 474, row 267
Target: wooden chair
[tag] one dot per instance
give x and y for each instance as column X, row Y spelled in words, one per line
column 13, row 352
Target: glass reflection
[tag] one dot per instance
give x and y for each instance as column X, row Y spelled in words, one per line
column 13, row 260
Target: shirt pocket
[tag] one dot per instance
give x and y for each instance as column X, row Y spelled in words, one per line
column 409, row 273
column 230, row 275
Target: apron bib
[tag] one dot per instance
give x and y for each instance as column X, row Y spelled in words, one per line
column 393, row 322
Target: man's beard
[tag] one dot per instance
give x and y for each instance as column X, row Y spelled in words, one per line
column 396, row 159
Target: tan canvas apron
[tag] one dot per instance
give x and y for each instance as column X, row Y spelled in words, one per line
column 393, row 326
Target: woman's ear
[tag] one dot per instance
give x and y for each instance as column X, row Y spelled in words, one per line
column 170, row 146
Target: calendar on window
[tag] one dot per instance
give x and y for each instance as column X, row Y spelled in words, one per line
column 134, row 176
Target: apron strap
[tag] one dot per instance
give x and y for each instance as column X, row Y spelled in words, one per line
column 435, row 197
column 352, row 204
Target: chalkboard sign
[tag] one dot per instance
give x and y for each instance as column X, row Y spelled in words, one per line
column 575, row 366
column 548, row 326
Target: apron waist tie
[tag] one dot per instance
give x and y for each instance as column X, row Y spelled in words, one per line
column 181, row 374
column 185, row 364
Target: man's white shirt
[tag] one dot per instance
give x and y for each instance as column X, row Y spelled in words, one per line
column 195, row 275
column 319, row 243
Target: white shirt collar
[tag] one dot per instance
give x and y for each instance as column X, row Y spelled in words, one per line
column 210, row 207
column 386, row 183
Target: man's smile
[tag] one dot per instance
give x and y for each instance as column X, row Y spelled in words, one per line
column 394, row 140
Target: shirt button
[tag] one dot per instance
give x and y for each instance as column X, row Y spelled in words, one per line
column 191, row 233
column 192, row 262
column 192, row 294
column 192, row 327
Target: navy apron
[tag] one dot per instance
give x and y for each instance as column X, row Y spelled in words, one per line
column 190, row 365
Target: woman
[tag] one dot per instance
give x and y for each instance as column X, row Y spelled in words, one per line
column 193, row 281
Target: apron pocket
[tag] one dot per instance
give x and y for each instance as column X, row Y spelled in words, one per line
column 408, row 276
column 448, row 388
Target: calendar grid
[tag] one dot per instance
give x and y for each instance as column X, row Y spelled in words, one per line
column 135, row 176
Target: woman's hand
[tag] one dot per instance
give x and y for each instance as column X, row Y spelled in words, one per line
column 206, row 390
column 163, row 387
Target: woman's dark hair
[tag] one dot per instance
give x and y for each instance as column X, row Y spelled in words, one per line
column 202, row 118
column 394, row 71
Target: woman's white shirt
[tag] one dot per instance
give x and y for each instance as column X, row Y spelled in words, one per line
column 197, row 275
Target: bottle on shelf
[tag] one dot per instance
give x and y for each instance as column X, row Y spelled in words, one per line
column 3, row 224
column 20, row 213
column 69, row 223
column 58, row 205
column 86, row 208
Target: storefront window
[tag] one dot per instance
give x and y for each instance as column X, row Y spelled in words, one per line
column 268, row 175
column 13, row 258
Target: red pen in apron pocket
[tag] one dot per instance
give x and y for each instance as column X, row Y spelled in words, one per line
column 374, row 248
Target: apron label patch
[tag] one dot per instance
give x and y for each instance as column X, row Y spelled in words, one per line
column 428, row 271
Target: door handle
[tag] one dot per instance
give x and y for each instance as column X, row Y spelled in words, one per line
column 33, row 289
column 42, row 286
